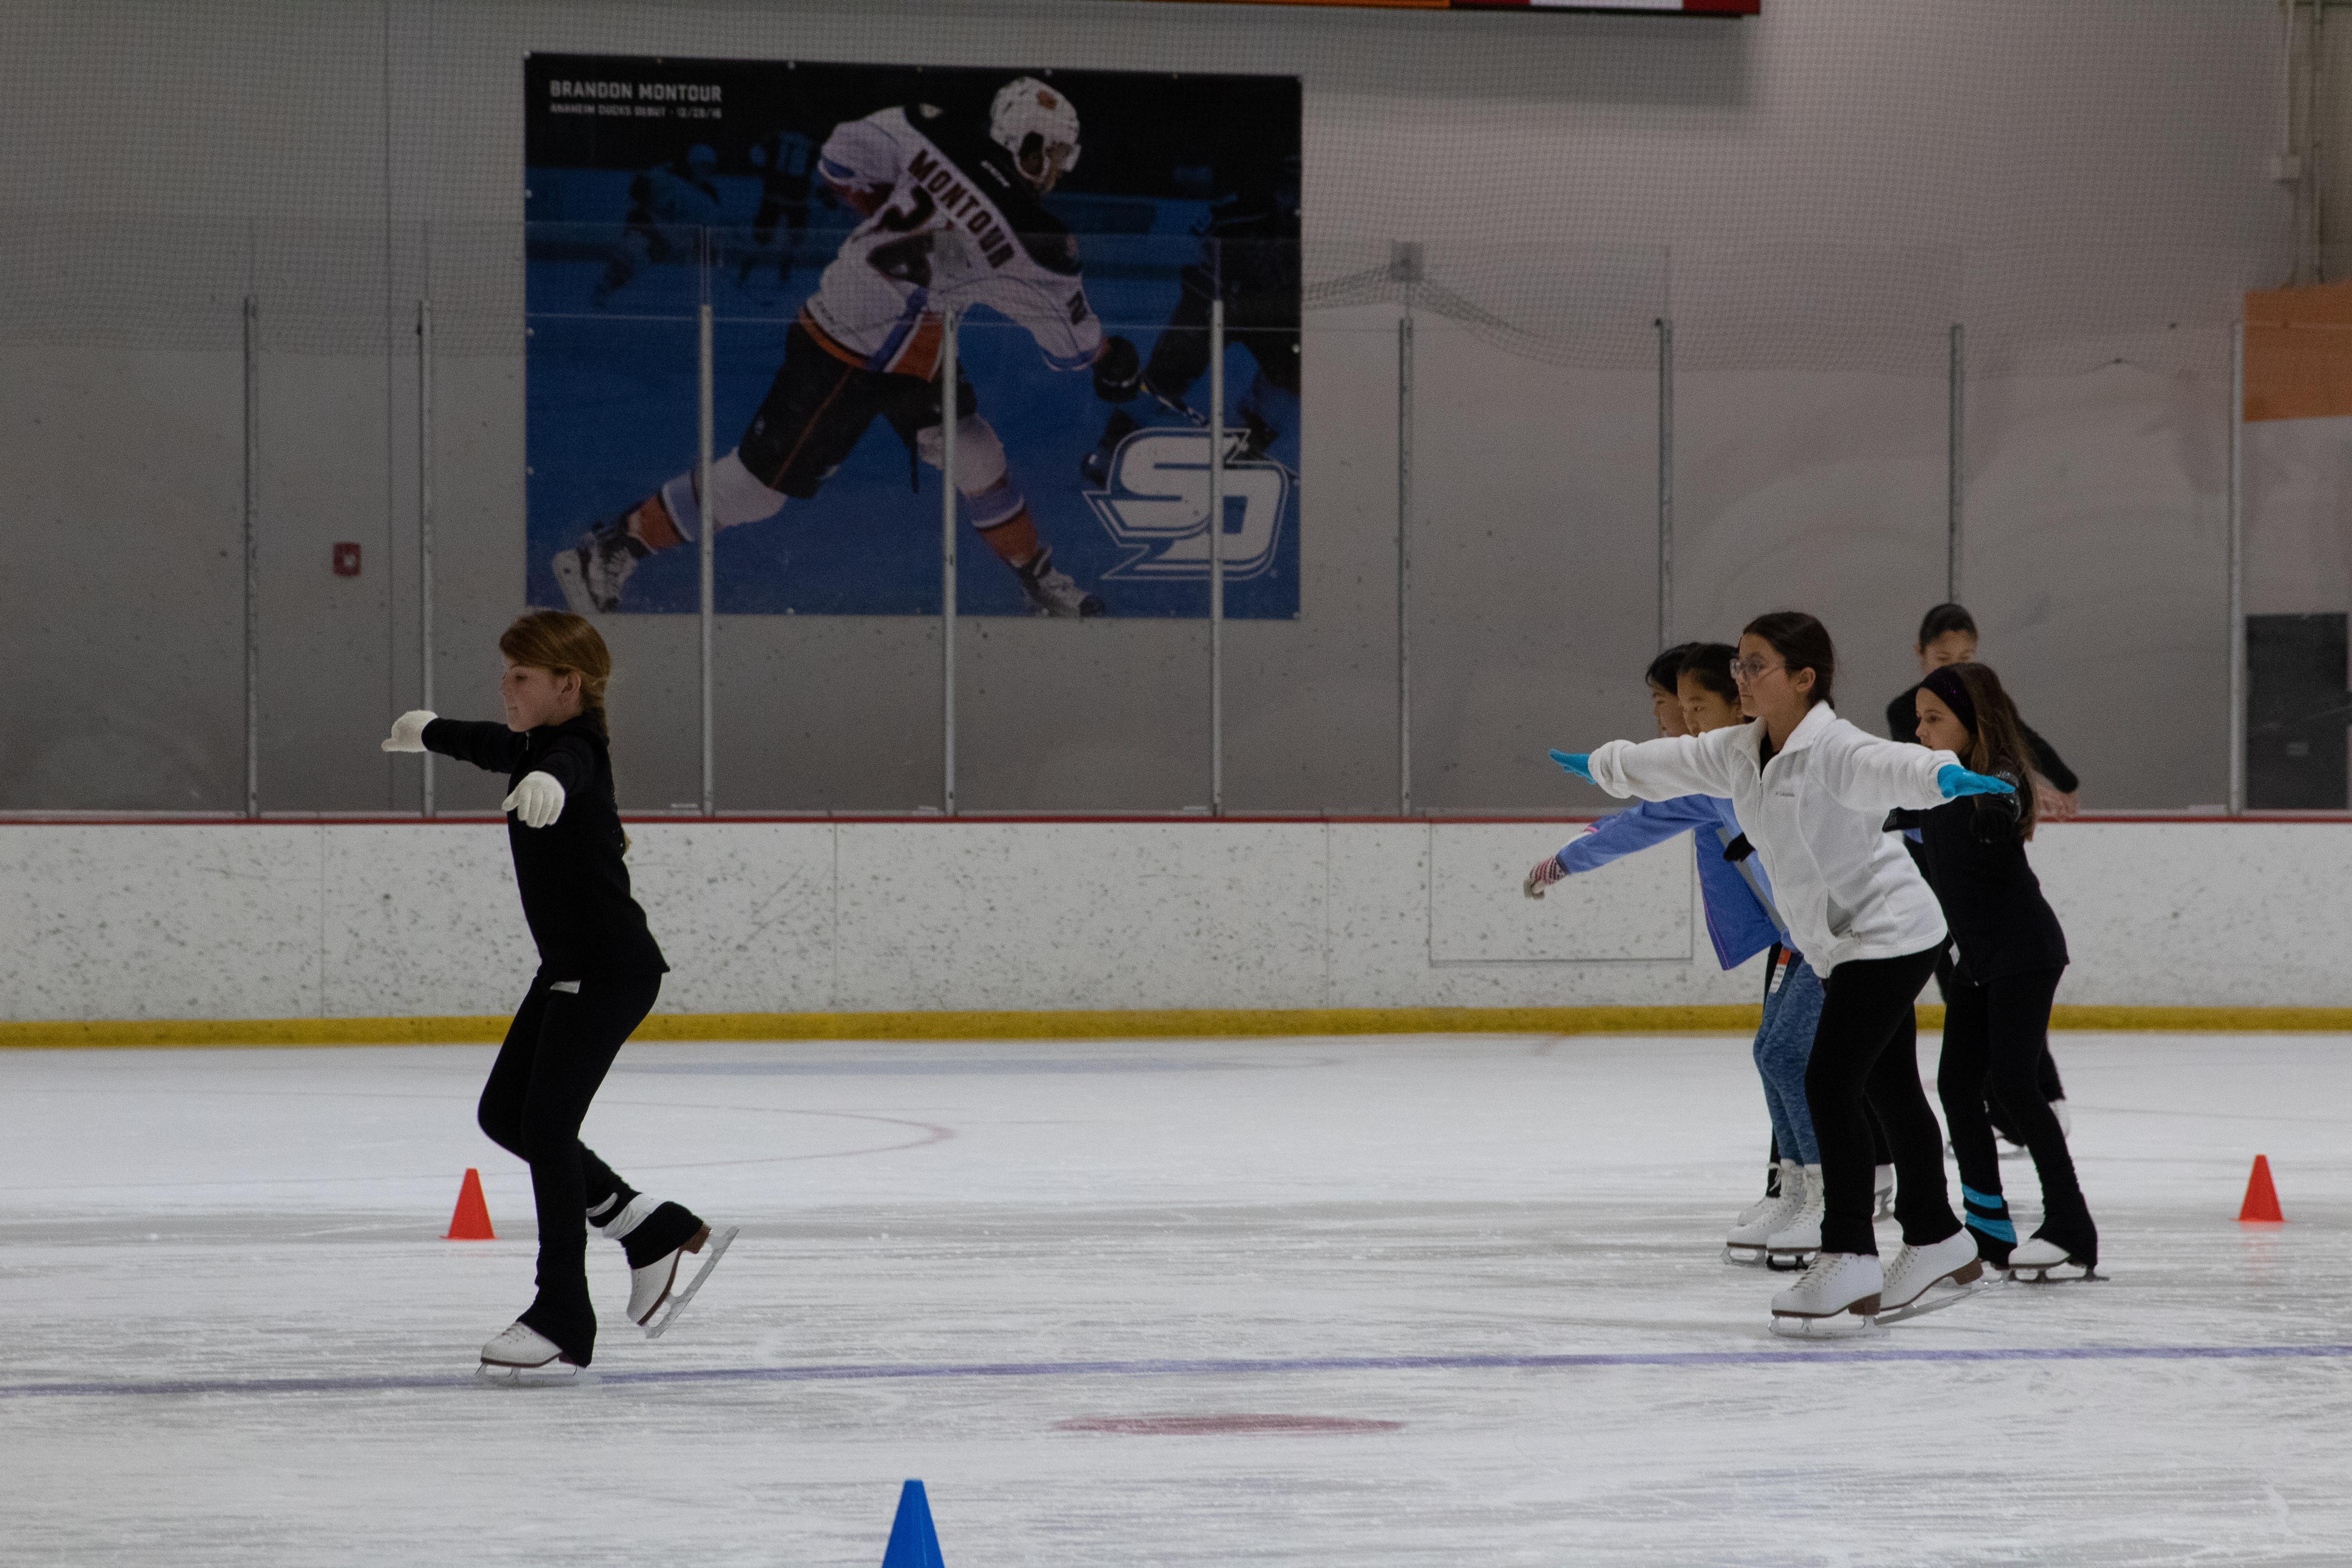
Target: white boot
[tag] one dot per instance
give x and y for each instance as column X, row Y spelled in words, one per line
column 1794, row 1243
column 1760, row 1220
column 523, row 1354
column 1882, row 1189
column 650, row 1287
column 1915, row 1269
column 1838, row 1282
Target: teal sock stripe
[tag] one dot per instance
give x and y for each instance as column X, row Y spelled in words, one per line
column 1999, row 1229
column 1984, row 1200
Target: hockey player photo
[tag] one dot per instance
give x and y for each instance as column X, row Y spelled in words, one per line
column 862, row 208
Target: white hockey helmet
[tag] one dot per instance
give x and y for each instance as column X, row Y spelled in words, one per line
column 1038, row 126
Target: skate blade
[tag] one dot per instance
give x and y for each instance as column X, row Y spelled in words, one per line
column 1843, row 1326
column 1939, row 1296
column 720, row 1240
column 1788, row 1262
column 555, row 1374
column 2045, row 1275
column 1744, row 1257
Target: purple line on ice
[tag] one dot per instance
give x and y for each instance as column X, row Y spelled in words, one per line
column 854, row 1372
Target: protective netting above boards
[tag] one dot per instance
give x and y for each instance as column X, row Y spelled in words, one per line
column 1818, row 189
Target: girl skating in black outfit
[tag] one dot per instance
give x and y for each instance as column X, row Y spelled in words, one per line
column 599, row 972
column 2011, row 954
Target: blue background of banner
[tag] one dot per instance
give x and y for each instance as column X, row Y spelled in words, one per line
column 611, row 402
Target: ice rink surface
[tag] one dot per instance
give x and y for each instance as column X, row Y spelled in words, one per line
column 1437, row 1301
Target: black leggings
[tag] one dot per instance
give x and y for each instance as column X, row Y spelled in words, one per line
column 556, row 1054
column 1994, row 1036
column 1866, row 1011
column 1948, row 976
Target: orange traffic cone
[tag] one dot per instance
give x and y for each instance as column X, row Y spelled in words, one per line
column 472, row 1220
column 2261, row 1206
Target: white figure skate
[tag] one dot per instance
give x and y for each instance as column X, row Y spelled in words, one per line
column 1764, row 1218
column 1837, row 1298
column 1794, row 1243
column 521, row 1354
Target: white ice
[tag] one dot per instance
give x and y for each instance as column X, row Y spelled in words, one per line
column 244, row 1219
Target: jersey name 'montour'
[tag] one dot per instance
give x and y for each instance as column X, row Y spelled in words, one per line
column 957, row 226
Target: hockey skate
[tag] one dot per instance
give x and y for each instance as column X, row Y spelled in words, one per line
column 1837, row 1298
column 1915, row 1269
column 1793, row 1246
column 1761, row 1220
column 592, row 572
column 1052, row 592
column 523, row 1355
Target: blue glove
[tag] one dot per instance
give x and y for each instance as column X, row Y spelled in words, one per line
column 1578, row 763
column 1956, row 781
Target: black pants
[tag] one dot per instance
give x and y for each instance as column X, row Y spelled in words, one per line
column 1993, row 1040
column 556, row 1054
column 1855, row 1071
column 1948, row 975
column 818, row 407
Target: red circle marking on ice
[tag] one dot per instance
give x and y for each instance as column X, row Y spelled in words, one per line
column 1213, row 1426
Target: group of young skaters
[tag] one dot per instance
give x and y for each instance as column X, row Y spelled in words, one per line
column 1798, row 856
column 1862, row 866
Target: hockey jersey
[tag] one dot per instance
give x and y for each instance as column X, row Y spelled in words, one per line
column 957, row 226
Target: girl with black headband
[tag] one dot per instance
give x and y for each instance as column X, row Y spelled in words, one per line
column 2011, row 954
column 1948, row 636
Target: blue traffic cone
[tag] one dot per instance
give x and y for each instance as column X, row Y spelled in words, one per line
column 913, row 1542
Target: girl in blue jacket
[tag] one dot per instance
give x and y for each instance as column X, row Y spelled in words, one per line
column 1692, row 692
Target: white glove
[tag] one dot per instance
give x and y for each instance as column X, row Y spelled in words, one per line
column 408, row 730
column 537, row 802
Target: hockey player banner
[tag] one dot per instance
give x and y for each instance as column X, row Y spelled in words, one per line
column 1080, row 225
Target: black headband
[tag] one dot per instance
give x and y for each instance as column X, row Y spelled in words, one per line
column 1945, row 681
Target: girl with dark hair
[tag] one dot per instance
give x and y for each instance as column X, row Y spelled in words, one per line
column 2011, row 953
column 1813, row 791
column 1948, row 636
column 599, row 972
column 1740, row 921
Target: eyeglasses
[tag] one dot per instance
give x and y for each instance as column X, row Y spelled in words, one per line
column 1751, row 670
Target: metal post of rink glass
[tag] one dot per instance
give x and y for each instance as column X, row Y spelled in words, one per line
column 1956, row 445
column 252, row 557
column 1665, row 482
column 424, row 519
column 709, row 541
column 1217, row 555
column 1404, row 558
column 949, row 320
column 2237, row 568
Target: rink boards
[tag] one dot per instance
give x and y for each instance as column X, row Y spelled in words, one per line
column 121, row 920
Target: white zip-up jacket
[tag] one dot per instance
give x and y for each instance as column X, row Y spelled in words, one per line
column 1816, row 815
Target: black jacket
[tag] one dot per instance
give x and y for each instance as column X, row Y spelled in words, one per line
column 1992, row 898
column 575, row 889
column 1903, row 724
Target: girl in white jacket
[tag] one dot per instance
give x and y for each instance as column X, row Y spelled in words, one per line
column 1812, row 792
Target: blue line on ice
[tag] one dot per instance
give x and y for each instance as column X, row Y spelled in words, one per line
column 854, row 1372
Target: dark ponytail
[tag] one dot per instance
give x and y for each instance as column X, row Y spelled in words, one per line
column 1803, row 643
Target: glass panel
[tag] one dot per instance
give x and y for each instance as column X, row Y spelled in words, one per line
column 828, row 638
column 611, row 363
column 1535, row 518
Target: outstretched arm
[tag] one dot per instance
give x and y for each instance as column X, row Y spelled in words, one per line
column 1616, row 837
column 492, row 747
column 1867, row 773
column 1662, row 768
